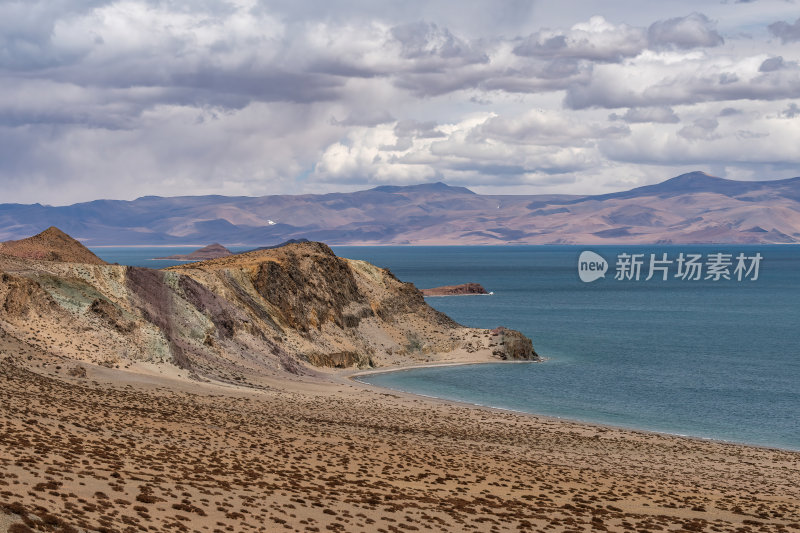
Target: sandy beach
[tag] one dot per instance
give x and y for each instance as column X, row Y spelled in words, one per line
column 146, row 450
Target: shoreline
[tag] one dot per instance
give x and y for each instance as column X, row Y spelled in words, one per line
column 354, row 377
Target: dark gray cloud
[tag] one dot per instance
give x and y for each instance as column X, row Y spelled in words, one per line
column 701, row 128
column 687, row 85
column 793, row 111
column 729, row 112
column 420, row 40
column 562, row 69
column 691, row 31
column 788, row 33
column 421, row 130
column 771, row 64
column 406, row 50
column 236, row 89
column 482, row 17
column 186, row 52
column 402, row 144
column 408, row 130
column 596, row 40
column 663, row 115
column 538, row 76
column 534, row 77
column 371, row 117
column 27, row 30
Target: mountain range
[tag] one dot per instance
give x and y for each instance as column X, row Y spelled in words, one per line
column 691, row 208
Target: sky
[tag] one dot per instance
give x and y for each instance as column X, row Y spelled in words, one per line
column 122, row 99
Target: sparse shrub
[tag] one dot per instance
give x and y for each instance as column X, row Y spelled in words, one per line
column 414, row 344
column 148, row 498
column 77, row 372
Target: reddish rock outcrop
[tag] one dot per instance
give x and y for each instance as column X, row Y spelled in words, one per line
column 455, row 290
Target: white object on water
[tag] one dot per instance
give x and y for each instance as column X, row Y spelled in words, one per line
column 271, row 222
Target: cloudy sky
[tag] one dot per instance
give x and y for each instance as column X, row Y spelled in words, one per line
column 120, row 99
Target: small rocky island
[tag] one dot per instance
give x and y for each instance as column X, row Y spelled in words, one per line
column 212, row 251
column 455, row 290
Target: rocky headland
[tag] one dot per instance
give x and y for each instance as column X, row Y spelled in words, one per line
column 233, row 319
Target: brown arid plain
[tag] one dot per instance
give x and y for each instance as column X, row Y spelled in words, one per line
column 246, row 416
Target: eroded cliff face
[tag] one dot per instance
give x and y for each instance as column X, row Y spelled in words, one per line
column 285, row 310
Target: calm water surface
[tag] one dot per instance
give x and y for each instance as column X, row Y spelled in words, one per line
column 710, row 359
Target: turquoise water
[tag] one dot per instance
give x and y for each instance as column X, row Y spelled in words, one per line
column 709, row 359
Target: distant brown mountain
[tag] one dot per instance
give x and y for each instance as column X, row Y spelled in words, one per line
column 51, row 245
column 212, row 251
column 692, row 208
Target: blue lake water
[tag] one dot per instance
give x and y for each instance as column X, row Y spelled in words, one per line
column 714, row 359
